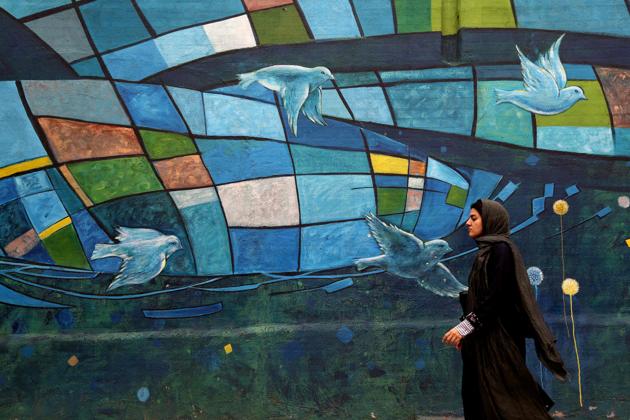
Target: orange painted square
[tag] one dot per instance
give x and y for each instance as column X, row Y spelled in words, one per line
column 265, row 4
column 183, row 172
column 417, row 167
column 22, row 244
column 76, row 140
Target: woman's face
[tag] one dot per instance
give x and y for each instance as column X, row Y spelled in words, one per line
column 474, row 224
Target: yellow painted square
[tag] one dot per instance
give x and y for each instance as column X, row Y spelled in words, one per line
column 590, row 113
column 228, row 348
column 384, row 164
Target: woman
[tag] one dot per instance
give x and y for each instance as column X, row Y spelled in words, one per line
column 501, row 311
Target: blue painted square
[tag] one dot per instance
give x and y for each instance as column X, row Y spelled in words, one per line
column 579, row 72
column 89, row 67
column 336, row 245
column 589, row 140
column 190, row 104
column 438, row 106
column 8, row 192
column 368, row 104
column 231, row 116
column 532, row 160
column 443, row 172
column 410, row 219
column 378, row 143
column 44, row 209
column 183, row 46
column 265, row 250
column 333, row 106
column 150, row 106
column 32, row 183
column 20, row 9
column 572, row 190
column 15, row 124
column 113, row 23
column 335, row 197
column 136, row 62
column 237, row 160
column 330, row 18
column 13, row 222
column 375, row 17
column 335, row 135
column 91, row 234
column 437, row 219
column 391, row 181
column 253, row 91
column 168, row 15
column 609, row 17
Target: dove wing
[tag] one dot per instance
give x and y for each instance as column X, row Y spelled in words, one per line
column 537, row 79
column 441, row 281
column 293, row 98
column 312, row 108
column 137, row 270
column 550, row 61
column 136, row 234
column 391, row 239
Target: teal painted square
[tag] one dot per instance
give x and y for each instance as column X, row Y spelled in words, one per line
column 136, row 62
column 150, row 107
column 375, row 16
column 165, row 15
column 208, row 235
column 318, row 160
column 622, row 141
column 183, row 46
column 44, row 209
column 503, row 122
column 113, row 23
column 89, row 67
column 410, row 219
column 22, row 8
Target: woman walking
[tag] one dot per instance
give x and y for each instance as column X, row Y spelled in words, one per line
column 500, row 311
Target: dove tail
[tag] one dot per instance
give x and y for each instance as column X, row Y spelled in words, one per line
column 363, row 263
column 246, row 79
column 103, row 251
column 503, row 96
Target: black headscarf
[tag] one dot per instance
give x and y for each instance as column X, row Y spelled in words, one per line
column 496, row 228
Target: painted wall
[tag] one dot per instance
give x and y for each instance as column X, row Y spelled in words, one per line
column 176, row 245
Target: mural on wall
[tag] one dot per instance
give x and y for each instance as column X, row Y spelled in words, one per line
column 254, row 209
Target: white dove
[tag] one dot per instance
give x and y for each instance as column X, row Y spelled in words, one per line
column 545, row 85
column 143, row 251
column 407, row 256
column 300, row 89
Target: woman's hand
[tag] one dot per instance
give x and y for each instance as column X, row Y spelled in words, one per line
column 453, row 338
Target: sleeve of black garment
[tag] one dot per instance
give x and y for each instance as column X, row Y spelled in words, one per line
column 500, row 285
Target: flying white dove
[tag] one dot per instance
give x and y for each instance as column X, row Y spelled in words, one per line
column 300, row 89
column 545, row 85
column 407, row 256
column 143, row 251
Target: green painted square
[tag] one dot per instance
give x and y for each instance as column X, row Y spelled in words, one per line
column 280, row 25
column 502, row 122
column 161, row 145
column 413, row 16
column 391, row 200
column 103, row 180
column 65, row 249
column 486, row 14
column 590, row 113
column 456, row 196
